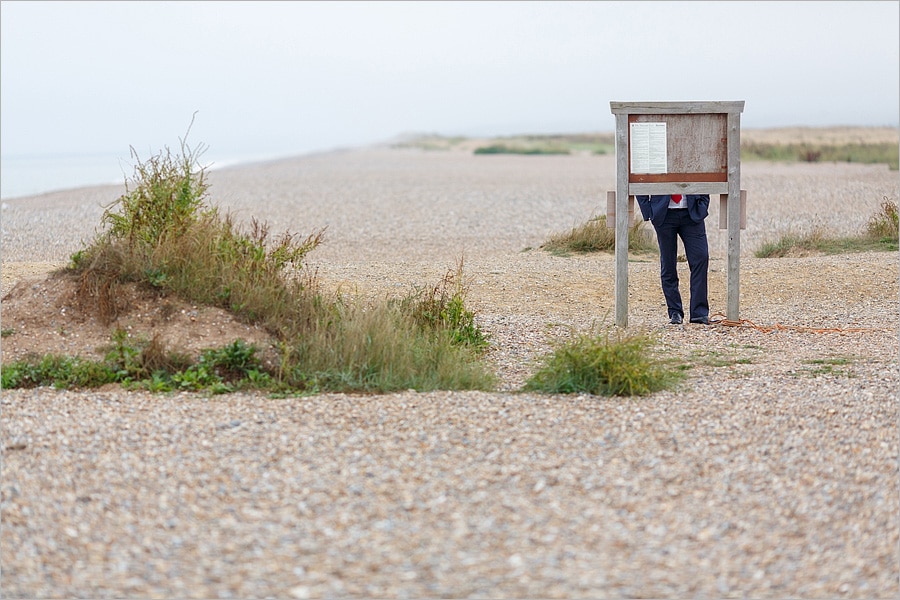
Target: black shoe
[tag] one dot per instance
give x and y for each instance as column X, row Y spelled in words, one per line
column 676, row 320
column 701, row 320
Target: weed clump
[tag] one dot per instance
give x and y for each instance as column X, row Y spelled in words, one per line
column 162, row 233
column 143, row 364
column 885, row 224
column 442, row 306
column 605, row 363
column 596, row 236
column 61, row 372
column 881, row 234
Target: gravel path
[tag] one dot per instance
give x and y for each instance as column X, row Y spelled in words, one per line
column 772, row 472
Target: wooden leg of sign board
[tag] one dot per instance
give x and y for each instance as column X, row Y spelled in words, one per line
column 611, row 210
column 621, row 220
column 735, row 221
column 723, row 210
column 621, row 260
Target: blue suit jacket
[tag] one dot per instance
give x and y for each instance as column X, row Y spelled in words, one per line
column 654, row 208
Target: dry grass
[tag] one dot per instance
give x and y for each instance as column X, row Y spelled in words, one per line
column 595, row 235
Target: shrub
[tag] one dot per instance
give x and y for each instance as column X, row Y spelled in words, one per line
column 596, row 236
column 885, row 224
column 163, row 204
column 606, row 363
column 163, row 234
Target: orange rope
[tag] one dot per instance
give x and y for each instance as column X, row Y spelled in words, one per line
column 779, row 327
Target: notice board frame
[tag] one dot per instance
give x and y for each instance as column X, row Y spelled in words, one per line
column 703, row 156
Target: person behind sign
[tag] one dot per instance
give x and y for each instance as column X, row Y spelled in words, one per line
column 683, row 216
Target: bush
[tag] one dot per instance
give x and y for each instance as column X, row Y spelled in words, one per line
column 162, row 233
column 885, row 224
column 606, row 363
column 596, row 236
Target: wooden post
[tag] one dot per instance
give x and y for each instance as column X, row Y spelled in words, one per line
column 611, row 210
column 733, row 265
column 622, row 220
column 723, row 210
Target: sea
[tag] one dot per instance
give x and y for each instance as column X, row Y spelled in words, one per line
column 39, row 174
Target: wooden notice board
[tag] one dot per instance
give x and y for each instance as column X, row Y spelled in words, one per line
column 678, row 148
column 696, row 148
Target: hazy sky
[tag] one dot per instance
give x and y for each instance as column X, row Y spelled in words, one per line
column 281, row 78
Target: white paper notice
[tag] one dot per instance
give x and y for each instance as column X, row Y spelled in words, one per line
column 648, row 148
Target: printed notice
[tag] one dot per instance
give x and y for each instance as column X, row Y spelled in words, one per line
column 648, row 148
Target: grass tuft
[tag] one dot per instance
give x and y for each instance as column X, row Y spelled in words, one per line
column 827, row 366
column 885, row 224
column 881, row 234
column 608, row 363
column 381, row 347
column 442, row 306
column 595, row 236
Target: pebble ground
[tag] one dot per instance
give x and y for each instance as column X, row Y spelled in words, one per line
column 771, row 472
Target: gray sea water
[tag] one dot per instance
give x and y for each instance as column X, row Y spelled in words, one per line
column 38, row 174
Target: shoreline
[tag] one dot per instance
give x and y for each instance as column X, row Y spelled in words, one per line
column 402, row 204
column 836, row 134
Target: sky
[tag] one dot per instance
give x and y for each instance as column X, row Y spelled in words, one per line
column 274, row 79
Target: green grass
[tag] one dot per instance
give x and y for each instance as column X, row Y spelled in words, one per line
column 600, row 143
column 431, row 142
column 527, row 150
column 144, row 364
column 58, row 371
column 880, row 234
column 604, row 143
column 829, row 366
column 382, row 348
column 819, row 242
column 595, row 236
column 607, row 363
column 856, row 153
column 884, row 225
column 719, row 358
column 163, row 233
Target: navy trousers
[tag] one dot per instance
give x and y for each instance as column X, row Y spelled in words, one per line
column 693, row 236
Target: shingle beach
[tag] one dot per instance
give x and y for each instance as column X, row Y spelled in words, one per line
column 764, row 475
